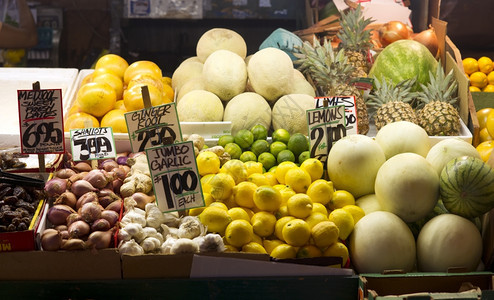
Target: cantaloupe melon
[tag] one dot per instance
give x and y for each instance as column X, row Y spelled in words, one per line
column 246, row 110
column 220, row 38
column 225, row 74
column 289, row 112
column 270, row 73
column 200, row 106
column 300, row 85
column 184, row 72
column 192, row 84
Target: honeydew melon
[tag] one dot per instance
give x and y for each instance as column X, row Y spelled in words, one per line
column 246, row 110
column 200, row 106
column 220, row 38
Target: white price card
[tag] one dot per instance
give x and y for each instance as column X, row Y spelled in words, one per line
column 351, row 121
column 326, row 126
column 92, row 143
column 176, row 181
column 41, row 121
column 153, row 126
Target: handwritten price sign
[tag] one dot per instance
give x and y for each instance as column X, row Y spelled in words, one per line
column 41, row 121
column 152, row 127
column 92, row 143
column 326, row 126
column 175, row 177
column 351, row 122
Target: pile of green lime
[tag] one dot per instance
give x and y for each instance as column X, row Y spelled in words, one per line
column 255, row 145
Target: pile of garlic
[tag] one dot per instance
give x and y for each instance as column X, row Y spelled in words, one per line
column 152, row 231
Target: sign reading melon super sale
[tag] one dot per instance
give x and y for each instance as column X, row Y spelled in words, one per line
column 41, row 121
column 175, row 177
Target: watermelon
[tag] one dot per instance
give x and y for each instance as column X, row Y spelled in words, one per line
column 404, row 59
column 466, row 187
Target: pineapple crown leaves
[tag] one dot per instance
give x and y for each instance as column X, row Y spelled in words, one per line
column 441, row 87
column 386, row 92
column 353, row 33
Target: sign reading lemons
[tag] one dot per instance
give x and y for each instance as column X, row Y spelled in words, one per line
column 92, row 143
column 175, row 176
column 153, row 126
column 351, row 123
column 40, row 121
column 326, row 126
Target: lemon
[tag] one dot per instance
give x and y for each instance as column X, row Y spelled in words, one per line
column 485, row 64
column 221, row 186
column 258, row 179
column 195, row 211
column 230, row 202
column 238, row 233
column 269, row 245
column 249, row 211
column 206, row 187
column 299, row 206
column 278, row 227
column 318, row 207
column 478, row 79
column 320, row 191
column 337, row 249
column 315, row 218
column 488, row 88
column 238, row 213
column 253, row 167
column 325, row 233
column 470, row 65
column 253, row 247
column 474, row 89
column 281, row 170
column 282, row 212
column 207, row 163
column 343, row 220
column 243, row 193
column 271, row 178
column 236, row 169
column 208, row 199
column 314, row 167
column 308, row 251
column 219, row 204
column 267, row 198
column 298, row 179
column 286, row 192
column 356, row 212
column 263, row 223
column 284, row 251
column 215, row 218
column 296, row 232
column 256, row 238
column 230, row 248
column 341, row 198
column 490, row 77
column 484, row 135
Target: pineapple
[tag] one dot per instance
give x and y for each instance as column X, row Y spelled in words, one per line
column 392, row 103
column 331, row 73
column 356, row 39
column 439, row 116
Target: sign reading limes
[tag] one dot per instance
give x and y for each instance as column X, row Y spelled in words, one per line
column 350, row 110
column 41, row 121
column 92, row 143
column 175, row 176
column 326, row 126
column 153, row 126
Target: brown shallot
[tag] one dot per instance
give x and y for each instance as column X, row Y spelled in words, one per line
column 51, row 240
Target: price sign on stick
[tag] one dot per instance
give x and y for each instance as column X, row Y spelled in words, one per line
column 351, row 121
column 92, row 143
column 326, row 126
column 175, row 176
column 41, row 121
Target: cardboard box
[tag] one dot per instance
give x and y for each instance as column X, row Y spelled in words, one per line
column 249, row 9
column 427, row 285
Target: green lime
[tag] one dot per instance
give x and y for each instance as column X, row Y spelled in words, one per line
column 234, row 150
column 285, row 155
column 276, row 147
column 281, row 135
column 225, row 139
column 267, row 160
column 248, row 156
column 297, row 144
column 303, row 156
column 244, row 138
column 259, row 146
column 260, row 132
column 272, row 169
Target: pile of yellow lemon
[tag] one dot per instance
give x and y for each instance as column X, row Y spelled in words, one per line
column 287, row 212
column 114, row 88
column 480, row 72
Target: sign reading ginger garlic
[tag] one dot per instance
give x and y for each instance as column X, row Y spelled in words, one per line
column 175, row 177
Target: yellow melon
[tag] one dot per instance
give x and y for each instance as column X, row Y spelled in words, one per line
column 246, row 110
column 220, row 38
column 192, row 84
column 289, row 112
column 300, row 85
column 184, row 72
column 200, row 106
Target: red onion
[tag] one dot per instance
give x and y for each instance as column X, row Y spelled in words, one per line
column 100, row 239
column 111, row 216
column 91, row 211
column 80, row 187
column 82, row 167
column 55, row 186
column 64, row 173
column 115, row 206
column 86, row 198
column 51, row 240
column 73, row 218
column 57, row 214
column 100, row 225
column 79, row 229
column 73, row 244
column 67, row 198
